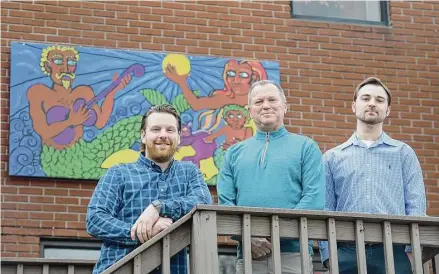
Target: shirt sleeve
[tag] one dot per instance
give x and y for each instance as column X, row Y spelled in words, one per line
column 226, row 189
column 313, row 179
column 414, row 191
column 103, row 209
column 330, row 202
column 198, row 193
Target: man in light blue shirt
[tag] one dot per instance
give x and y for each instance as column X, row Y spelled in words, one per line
column 373, row 173
column 276, row 169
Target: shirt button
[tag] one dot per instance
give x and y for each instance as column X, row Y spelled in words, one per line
column 368, row 165
column 162, row 190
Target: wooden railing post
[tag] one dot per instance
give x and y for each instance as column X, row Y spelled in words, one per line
column 436, row 264
column 137, row 264
column 246, row 242
column 20, row 269
column 388, row 248
column 416, row 248
column 166, row 255
column 204, row 246
column 275, row 242
column 304, row 252
column 45, row 269
column 332, row 246
column 426, row 268
column 361, row 252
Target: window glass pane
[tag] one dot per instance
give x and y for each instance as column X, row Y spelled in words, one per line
column 227, row 264
column 71, row 253
column 353, row 10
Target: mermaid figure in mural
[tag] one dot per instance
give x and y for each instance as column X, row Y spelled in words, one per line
column 238, row 77
column 59, row 112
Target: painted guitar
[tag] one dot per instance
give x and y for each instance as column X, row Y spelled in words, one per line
column 60, row 113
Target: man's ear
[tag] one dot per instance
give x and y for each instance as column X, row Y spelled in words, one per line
column 354, row 106
column 250, row 111
column 388, row 111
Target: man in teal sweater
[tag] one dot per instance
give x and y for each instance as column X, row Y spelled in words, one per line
column 274, row 169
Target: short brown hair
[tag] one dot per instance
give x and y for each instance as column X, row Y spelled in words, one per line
column 164, row 108
column 373, row 81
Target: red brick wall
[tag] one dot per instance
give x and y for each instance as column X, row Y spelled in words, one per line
column 320, row 64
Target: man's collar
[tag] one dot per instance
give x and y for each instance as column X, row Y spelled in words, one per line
column 383, row 139
column 387, row 140
column 144, row 161
column 261, row 135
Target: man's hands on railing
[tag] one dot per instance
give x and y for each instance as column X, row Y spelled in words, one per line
column 260, row 247
column 149, row 224
column 143, row 226
column 161, row 224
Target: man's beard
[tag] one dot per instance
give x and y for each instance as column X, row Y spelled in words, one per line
column 370, row 120
column 161, row 155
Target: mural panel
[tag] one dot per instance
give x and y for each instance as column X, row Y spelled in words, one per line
column 76, row 111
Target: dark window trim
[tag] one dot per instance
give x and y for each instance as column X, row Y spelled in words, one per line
column 384, row 9
column 384, row 5
column 226, row 250
column 68, row 243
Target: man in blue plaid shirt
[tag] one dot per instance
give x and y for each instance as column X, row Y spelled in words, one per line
column 373, row 173
column 134, row 202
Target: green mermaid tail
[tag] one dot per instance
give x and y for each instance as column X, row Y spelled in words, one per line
column 83, row 160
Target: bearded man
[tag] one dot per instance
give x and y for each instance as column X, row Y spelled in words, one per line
column 134, row 202
column 373, row 173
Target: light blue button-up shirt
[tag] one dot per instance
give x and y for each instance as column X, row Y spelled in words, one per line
column 385, row 178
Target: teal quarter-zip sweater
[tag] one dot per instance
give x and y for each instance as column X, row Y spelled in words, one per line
column 274, row 169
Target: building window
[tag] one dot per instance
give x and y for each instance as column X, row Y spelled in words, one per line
column 227, row 260
column 362, row 12
column 66, row 249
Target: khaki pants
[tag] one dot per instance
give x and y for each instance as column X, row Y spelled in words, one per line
column 290, row 264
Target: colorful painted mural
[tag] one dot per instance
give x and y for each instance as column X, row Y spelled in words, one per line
column 76, row 111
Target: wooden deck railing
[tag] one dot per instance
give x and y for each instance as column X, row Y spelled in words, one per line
column 200, row 229
column 45, row 266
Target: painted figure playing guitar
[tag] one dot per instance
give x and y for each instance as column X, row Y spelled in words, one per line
column 60, row 112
